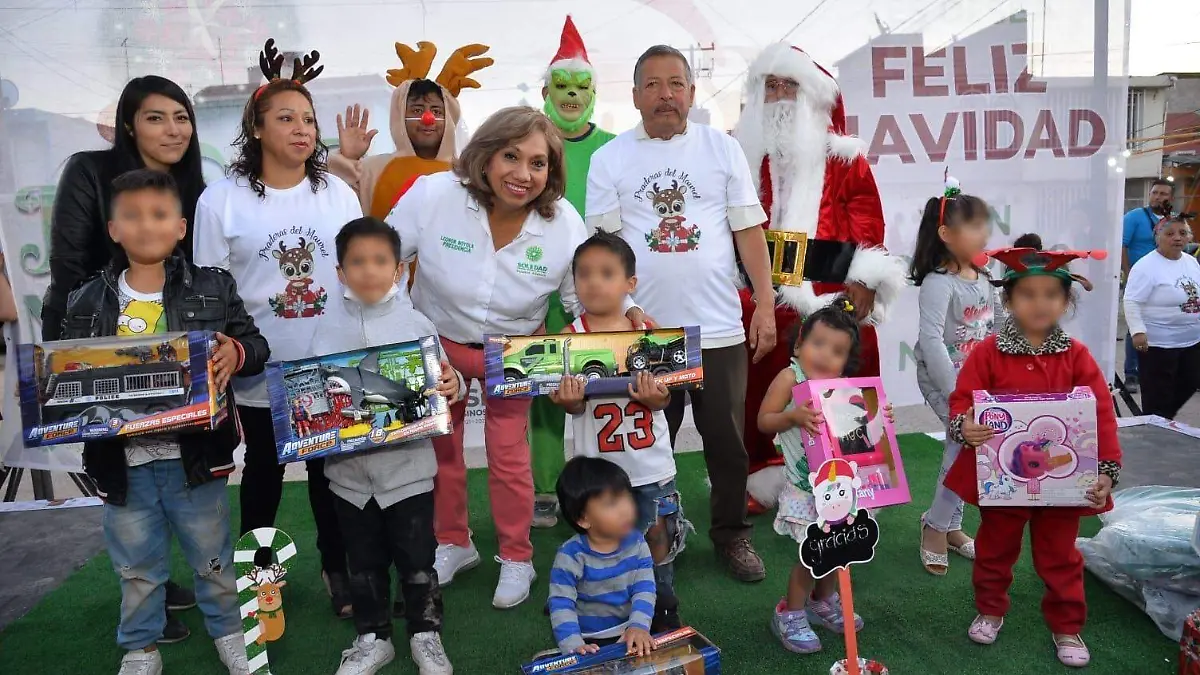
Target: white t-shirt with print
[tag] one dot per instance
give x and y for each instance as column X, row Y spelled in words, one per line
column 1169, row 293
column 280, row 250
column 675, row 199
column 624, row 432
column 142, row 314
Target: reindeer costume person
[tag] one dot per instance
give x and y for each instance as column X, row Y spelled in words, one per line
column 272, row 224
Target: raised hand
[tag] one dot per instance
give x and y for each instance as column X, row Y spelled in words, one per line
column 354, row 132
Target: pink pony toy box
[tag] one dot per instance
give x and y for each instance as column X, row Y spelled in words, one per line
column 856, row 430
column 1044, row 451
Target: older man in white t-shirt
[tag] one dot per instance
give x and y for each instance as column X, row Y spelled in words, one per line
column 682, row 196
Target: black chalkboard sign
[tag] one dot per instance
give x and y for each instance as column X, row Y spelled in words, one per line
column 846, row 543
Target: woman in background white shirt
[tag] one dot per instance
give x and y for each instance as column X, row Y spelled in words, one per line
column 495, row 238
column 1162, row 308
column 272, row 224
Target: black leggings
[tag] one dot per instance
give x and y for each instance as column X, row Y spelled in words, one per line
column 262, row 488
column 1168, row 377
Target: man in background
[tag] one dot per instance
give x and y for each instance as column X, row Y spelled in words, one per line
column 1137, row 239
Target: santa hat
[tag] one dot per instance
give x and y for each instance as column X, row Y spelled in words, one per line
column 572, row 55
column 817, row 86
column 836, row 468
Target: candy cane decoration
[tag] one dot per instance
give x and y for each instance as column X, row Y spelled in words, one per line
column 259, row 591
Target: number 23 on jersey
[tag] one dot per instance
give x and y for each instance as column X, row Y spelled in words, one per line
column 626, row 427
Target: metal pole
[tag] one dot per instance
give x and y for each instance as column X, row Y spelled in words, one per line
column 221, row 59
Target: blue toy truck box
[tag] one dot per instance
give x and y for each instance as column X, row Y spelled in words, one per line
column 534, row 365
column 94, row 388
column 357, row 400
column 681, row 652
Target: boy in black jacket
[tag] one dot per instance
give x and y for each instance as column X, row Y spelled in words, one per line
column 155, row 485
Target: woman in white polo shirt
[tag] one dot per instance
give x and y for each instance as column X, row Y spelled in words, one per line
column 495, row 238
column 1162, row 308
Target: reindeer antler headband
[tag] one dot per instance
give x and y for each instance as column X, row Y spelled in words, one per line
column 270, row 61
column 1028, row 262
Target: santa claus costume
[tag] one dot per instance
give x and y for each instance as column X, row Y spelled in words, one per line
column 1008, row 361
column 813, row 179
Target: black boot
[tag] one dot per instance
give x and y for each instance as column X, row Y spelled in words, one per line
column 174, row 631
column 666, row 615
column 179, row 598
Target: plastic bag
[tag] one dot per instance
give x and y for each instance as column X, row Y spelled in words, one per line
column 1145, row 552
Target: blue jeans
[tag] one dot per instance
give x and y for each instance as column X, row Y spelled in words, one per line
column 138, row 537
column 662, row 500
column 1131, row 357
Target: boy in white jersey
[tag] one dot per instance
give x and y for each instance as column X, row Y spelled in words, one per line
column 630, row 431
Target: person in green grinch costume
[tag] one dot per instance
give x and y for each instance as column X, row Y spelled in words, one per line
column 570, row 94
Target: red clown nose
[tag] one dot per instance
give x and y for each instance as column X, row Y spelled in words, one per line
column 428, row 119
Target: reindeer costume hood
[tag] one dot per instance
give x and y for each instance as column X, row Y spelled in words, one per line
column 818, row 180
column 381, row 179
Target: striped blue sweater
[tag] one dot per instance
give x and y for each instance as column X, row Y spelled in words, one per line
column 600, row 594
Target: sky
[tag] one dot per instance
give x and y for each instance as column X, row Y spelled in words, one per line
column 73, row 56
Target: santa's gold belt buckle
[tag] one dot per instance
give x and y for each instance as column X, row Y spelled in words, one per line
column 787, row 251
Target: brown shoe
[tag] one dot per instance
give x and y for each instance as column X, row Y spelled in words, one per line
column 742, row 560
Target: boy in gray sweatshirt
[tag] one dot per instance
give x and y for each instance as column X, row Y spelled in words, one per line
column 384, row 497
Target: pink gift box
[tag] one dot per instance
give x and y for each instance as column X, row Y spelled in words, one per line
column 1044, row 452
column 856, row 430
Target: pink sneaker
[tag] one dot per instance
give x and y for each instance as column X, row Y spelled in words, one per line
column 1071, row 651
column 983, row 631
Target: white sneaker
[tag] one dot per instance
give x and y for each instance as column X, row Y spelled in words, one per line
column 452, row 559
column 141, row 663
column 430, row 655
column 231, row 649
column 366, row 656
column 513, row 588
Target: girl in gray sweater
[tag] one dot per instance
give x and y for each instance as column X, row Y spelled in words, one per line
column 958, row 307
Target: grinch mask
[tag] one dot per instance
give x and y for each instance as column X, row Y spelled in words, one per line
column 570, row 99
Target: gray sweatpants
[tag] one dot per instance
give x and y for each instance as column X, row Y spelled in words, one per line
column 945, row 514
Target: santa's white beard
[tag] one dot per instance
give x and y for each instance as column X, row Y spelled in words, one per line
column 795, row 138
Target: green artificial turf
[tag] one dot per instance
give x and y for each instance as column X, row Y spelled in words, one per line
column 915, row 623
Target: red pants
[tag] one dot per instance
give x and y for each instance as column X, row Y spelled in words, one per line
column 759, row 446
column 510, row 480
column 1057, row 561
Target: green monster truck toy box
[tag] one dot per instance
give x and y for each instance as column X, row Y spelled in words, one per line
column 528, row 366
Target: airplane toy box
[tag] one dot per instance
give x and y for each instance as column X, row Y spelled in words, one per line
column 856, row 429
column 94, row 388
column 524, row 367
column 1044, row 452
column 358, row 400
column 680, row 652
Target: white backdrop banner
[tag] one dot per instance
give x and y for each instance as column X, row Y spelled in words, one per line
column 1036, row 149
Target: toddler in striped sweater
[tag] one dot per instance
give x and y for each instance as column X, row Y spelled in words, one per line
column 602, row 585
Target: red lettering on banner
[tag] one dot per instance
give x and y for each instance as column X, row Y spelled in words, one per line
column 1044, row 137
column 922, row 72
column 935, row 148
column 880, row 73
column 888, row 128
column 970, row 137
column 991, row 134
column 961, row 86
column 1000, row 69
column 1098, row 136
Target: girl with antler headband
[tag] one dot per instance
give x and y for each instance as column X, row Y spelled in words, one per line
column 272, row 224
column 1031, row 353
column 957, row 311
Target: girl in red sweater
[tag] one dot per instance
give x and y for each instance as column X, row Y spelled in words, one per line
column 1031, row 353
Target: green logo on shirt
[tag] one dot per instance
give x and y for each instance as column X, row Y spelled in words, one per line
column 458, row 245
column 533, row 253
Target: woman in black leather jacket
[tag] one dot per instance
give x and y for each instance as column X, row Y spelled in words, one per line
column 155, row 128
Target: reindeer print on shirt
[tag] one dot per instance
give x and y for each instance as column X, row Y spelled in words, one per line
column 672, row 234
column 299, row 299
